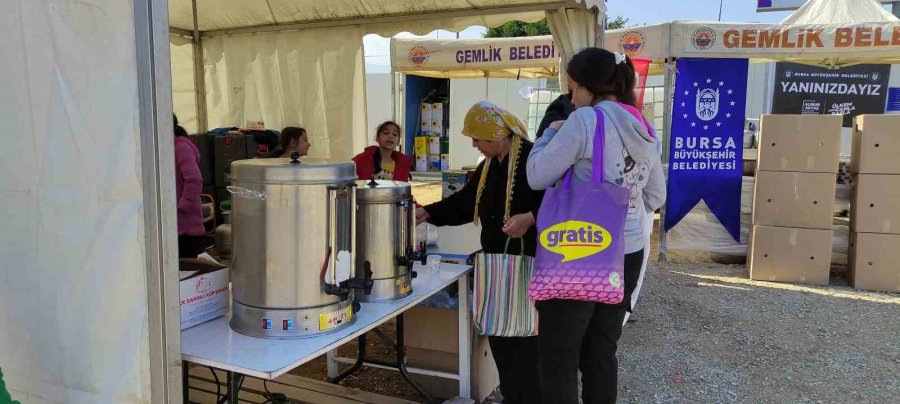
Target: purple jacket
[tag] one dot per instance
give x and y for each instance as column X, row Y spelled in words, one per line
column 188, row 186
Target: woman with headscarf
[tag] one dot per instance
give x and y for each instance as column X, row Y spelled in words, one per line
column 499, row 198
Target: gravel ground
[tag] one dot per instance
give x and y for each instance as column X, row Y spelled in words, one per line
column 706, row 334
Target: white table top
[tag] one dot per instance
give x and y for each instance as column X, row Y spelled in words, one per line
column 215, row 344
column 460, row 241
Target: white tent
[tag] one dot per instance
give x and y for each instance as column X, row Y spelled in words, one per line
column 528, row 57
column 828, row 32
column 831, row 33
column 88, row 279
column 839, row 12
column 292, row 62
column 644, row 42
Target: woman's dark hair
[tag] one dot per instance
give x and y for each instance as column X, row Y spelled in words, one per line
column 377, row 159
column 290, row 133
column 179, row 131
column 596, row 70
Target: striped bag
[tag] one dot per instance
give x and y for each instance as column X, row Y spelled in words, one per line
column 500, row 299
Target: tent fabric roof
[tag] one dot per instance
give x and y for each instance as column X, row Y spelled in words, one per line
column 840, row 12
column 230, row 14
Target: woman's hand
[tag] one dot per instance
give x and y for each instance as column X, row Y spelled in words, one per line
column 557, row 124
column 421, row 215
column 518, row 225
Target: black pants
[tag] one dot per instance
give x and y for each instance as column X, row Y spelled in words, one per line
column 191, row 246
column 517, row 363
column 583, row 336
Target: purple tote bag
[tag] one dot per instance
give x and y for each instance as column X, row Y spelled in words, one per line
column 581, row 245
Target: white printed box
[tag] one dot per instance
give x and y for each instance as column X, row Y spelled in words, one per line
column 203, row 291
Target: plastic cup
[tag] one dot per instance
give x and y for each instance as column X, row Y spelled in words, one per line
column 434, row 263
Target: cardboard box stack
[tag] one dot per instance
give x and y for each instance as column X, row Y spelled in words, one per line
column 875, row 203
column 793, row 198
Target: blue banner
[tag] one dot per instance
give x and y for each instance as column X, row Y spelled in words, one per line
column 706, row 160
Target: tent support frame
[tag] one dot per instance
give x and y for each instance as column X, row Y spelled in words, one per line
column 199, row 75
column 669, row 89
column 151, row 28
column 382, row 20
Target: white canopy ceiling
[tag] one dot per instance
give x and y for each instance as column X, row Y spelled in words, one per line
column 250, row 16
column 840, row 12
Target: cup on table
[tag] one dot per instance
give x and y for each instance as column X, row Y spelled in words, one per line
column 434, row 263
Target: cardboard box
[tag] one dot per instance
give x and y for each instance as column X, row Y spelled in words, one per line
column 789, row 199
column 782, row 254
column 432, row 341
column 453, row 181
column 875, row 203
column 204, row 291
column 426, row 113
column 431, row 328
column 873, row 262
column 437, row 110
column 876, row 145
column 806, row 143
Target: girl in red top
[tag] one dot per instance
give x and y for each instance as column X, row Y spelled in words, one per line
column 383, row 161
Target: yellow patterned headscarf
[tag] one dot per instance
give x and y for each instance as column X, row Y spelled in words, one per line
column 487, row 121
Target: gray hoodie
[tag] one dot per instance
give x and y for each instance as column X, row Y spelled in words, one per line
column 631, row 160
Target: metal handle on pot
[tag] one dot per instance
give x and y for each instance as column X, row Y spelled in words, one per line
column 246, row 193
column 333, row 235
column 411, row 255
column 344, row 288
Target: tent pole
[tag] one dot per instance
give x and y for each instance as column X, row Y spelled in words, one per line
column 669, row 89
column 162, row 373
column 199, row 76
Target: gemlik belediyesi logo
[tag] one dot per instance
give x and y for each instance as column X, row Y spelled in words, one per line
column 703, row 38
column 575, row 239
column 632, row 42
column 418, row 55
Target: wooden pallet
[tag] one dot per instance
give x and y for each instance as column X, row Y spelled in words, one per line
column 298, row 389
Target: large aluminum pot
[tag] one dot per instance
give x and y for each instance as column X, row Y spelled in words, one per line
column 292, row 232
column 385, row 237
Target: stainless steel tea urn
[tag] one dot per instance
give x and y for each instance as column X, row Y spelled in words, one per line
column 385, row 237
column 293, row 269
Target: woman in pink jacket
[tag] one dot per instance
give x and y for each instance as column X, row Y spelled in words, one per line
column 188, row 186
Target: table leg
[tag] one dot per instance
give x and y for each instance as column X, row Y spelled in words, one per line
column 185, row 395
column 401, row 362
column 360, row 359
column 331, row 363
column 465, row 341
column 234, row 386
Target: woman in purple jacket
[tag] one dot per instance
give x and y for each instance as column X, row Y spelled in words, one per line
column 188, row 186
